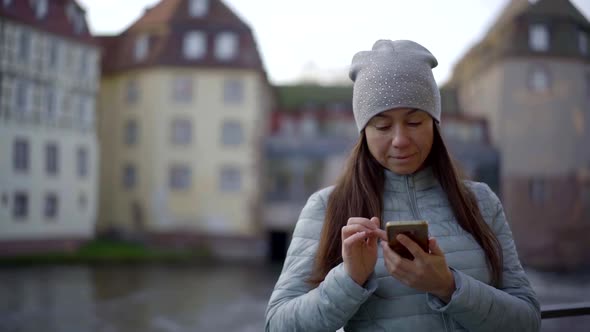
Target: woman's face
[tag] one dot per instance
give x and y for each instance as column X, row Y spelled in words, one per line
column 400, row 139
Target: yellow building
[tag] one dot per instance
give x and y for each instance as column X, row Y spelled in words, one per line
column 182, row 112
column 48, row 149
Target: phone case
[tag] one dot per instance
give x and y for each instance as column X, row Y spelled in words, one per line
column 417, row 230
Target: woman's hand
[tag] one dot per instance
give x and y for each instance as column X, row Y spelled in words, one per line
column 359, row 247
column 428, row 272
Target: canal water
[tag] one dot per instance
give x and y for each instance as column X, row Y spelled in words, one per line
column 182, row 298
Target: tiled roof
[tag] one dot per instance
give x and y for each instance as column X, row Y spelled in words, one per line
column 166, row 25
column 552, row 10
column 55, row 21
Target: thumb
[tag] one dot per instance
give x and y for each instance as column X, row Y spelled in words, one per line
column 434, row 248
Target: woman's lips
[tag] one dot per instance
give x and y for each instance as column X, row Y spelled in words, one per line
column 402, row 158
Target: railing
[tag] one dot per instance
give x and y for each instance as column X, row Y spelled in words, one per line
column 565, row 310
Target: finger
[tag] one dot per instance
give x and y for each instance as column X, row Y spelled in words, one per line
column 394, row 263
column 351, row 240
column 376, row 221
column 393, row 257
column 381, row 234
column 434, row 248
column 362, row 221
column 412, row 246
column 349, row 230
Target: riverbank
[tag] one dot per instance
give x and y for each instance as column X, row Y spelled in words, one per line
column 112, row 252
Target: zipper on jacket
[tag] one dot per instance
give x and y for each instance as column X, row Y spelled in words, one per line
column 412, row 195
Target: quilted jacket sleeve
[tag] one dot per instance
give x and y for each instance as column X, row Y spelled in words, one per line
column 294, row 305
column 480, row 307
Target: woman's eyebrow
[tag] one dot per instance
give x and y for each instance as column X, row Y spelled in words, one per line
column 412, row 111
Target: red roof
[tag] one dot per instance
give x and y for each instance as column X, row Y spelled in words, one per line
column 166, row 24
column 55, row 21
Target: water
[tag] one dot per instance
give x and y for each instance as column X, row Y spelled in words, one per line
column 181, row 298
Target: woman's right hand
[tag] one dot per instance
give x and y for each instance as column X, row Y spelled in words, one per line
column 359, row 247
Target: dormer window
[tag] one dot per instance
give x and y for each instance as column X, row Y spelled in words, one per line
column 198, row 8
column 583, row 42
column 194, row 46
column 226, row 46
column 76, row 17
column 539, row 37
column 142, row 44
column 41, row 8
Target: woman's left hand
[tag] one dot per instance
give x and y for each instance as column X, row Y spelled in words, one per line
column 428, row 272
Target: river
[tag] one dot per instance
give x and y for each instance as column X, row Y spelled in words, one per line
column 182, row 298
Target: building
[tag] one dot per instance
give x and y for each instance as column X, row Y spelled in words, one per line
column 49, row 67
column 530, row 77
column 312, row 133
column 467, row 138
column 182, row 113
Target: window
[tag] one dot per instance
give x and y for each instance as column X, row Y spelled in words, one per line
column 194, row 46
column 181, row 131
column 539, row 80
column 53, row 53
column 131, row 132
column 82, row 162
column 287, row 127
column 76, row 17
column 82, row 201
column 132, row 92
column 309, row 125
column 538, row 37
column 198, row 8
column 20, row 155
column 233, row 91
column 20, row 209
column 226, row 46
column 142, row 44
column 86, row 109
column 230, row 179
column 41, row 8
column 232, row 133
column 51, row 206
column 22, row 93
column 24, row 45
column 180, row 177
column 51, row 102
column 129, row 176
column 538, row 191
column 583, row 42
column 51, row 159
column 84, row 63
column 182, row 89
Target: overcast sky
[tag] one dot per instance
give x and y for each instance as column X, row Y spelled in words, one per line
column 319, row 37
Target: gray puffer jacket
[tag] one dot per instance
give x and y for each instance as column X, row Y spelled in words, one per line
column 384, row 303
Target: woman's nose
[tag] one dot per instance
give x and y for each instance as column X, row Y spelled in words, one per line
column 400, row 139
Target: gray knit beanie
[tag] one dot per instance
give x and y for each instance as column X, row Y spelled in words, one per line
column 394, row 74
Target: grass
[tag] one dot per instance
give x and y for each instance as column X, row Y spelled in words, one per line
column 104, row 251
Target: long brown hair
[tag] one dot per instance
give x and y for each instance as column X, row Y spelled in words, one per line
column 359, row 191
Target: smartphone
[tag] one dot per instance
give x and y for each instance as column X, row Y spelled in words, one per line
column 417, row 230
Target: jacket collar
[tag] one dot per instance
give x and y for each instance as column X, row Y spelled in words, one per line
column 421, row 180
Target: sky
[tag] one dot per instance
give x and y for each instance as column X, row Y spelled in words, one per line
column 316, row 39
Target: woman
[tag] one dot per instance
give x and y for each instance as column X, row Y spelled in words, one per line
column 339, row 270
